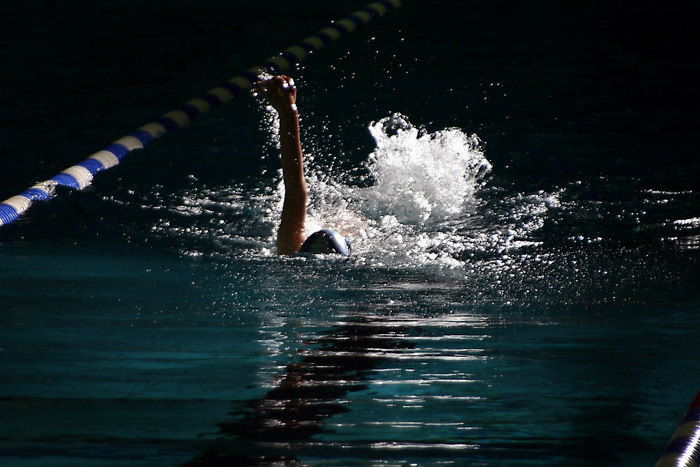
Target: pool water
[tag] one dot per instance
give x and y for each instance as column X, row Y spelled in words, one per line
column 519, row 184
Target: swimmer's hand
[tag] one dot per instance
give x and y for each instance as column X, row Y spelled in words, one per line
column 280, row 92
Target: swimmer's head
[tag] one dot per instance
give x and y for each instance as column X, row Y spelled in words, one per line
column 326, row 241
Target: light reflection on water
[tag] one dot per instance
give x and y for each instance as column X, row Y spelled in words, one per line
column 518, row 355
column 365, row 364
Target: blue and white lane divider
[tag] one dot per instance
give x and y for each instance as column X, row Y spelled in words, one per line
column 80, row 176
column 683, row 449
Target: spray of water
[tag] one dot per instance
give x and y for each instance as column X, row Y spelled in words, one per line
column 420, row 202
column 422, row 178
column 421, row 187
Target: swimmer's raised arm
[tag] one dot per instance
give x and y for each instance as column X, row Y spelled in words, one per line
column 282, row 95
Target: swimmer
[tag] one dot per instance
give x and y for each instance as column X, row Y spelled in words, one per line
column 281, row 92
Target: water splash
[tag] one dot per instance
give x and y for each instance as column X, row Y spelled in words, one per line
column 422, row 177
column 420, row 203
column 423, row 200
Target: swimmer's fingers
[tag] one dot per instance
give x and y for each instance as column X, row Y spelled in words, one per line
column 259, row 87
column 280, row 84
column 279, row 90
column 263, row 87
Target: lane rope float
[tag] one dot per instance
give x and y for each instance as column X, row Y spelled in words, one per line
column 683, row 449
column 80, row 175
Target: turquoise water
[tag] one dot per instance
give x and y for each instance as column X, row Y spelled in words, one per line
column 521, row 195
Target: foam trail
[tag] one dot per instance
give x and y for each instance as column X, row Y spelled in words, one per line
column 80, row 175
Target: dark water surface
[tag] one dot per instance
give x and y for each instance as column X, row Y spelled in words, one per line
column 525, row 298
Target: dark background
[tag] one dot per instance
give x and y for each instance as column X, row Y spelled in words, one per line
column 558, row 90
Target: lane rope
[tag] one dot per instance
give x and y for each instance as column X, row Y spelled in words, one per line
column 683, row 449
column 80, row 175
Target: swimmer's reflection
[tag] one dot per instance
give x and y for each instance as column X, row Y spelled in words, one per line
column 278, row 427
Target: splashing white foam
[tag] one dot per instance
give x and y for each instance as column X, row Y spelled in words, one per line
column 421, row 177
column 422, row 185
column 419, row 204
